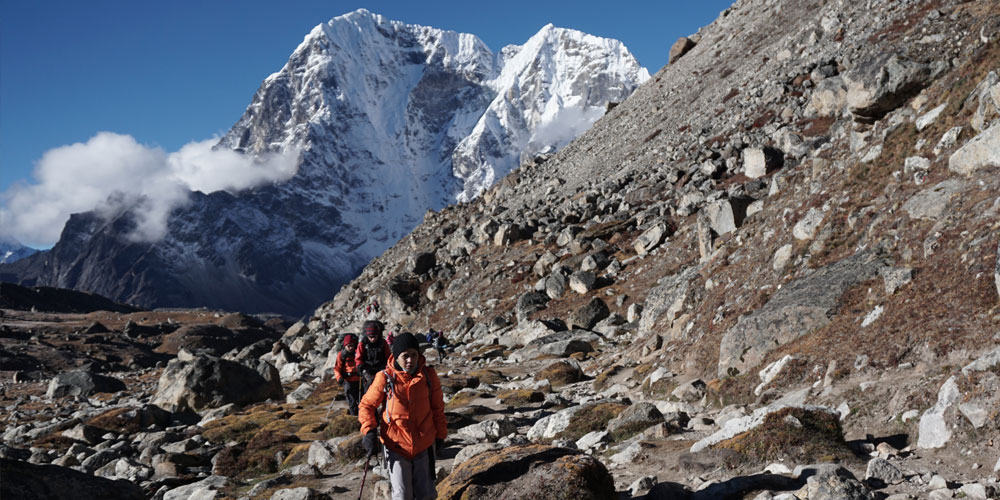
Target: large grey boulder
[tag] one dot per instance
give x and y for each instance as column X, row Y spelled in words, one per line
column 880, row 85
column 197, row 382
column 757, row 162
column 649, row 239
column 52, row 482
column 489, row 430
column 205, row 489
column 635, row 418
column 882, row 470
column 421, row 263
column 934, row 430
column 665, row 301
column 548, row 427
column 589, row 314
column 473, row 450
column 980, row 152
column 931, row 203
column 530, row 303
column 798, row 308
column 829, row 98
column 838, row 485
column 82, row 383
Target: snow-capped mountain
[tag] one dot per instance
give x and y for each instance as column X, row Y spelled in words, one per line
column 12, row 250
column 391, row 120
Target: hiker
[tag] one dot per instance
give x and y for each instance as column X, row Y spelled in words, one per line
column 411, row 426
column 372, row 353
column 345, row 370
column 439, row 344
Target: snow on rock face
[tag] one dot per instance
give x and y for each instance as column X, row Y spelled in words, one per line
column 391, row 120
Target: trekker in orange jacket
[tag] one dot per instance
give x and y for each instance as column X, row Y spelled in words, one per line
column 345, row 370
column 413, row 422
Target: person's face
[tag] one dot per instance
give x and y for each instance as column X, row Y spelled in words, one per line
column 352, row 346
column 408, row 360
column 371, row 337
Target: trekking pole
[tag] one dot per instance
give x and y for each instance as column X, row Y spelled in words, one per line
column 363, row 477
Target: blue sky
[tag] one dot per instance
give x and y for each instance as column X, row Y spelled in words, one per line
column 169, row 73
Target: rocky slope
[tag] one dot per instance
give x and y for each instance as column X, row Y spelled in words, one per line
column 770, row 273
column 389, row 120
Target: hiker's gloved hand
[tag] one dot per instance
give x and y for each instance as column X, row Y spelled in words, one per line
column 370, row 441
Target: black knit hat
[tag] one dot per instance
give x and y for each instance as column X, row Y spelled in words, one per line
column 402, row 342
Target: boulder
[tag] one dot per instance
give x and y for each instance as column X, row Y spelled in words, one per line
column 829, row 98
column 839, row 486
column 421, row 263
column 582, row 281
column 530, row 303
column 799, row 307
column 52, row 482
column 931, row 203
column 635, row 418
column 805, row 228
column 589, row 314
column 473, row 450
column 548, row 427
column 980, row 152
column 207, row 381
column 544, row 263
column 82, row 383
column 205, row 489
column 555, row 285
column 880, row 85
column 934, row 430
column 651, row 238
column 595, row 261
column 758, row 162
column 489, row 430
column 664, row 303
column 682, row 46
column 529, row 471
column 882, row 471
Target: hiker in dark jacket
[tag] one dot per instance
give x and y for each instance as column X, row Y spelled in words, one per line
column 373, row 352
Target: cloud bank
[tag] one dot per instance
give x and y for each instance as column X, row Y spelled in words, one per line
column 112, row 172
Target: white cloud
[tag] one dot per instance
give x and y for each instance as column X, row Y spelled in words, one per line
column 111, row 172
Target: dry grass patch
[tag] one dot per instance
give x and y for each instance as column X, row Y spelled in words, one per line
column 590, row 418
column 793, row 435
column 560, row 373
column 520, row 397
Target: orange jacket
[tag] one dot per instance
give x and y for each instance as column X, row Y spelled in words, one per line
column 413, row 417
column 344, row 368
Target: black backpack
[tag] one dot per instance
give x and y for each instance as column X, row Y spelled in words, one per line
column 373, row 359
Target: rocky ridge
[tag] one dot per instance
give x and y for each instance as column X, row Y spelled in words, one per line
column 770, row 273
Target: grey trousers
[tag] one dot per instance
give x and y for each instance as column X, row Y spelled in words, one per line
column 411, row 479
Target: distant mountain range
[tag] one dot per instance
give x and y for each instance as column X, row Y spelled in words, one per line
column 391, row 120
column 12, row 250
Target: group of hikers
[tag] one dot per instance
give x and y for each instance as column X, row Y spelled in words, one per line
column 398, row 400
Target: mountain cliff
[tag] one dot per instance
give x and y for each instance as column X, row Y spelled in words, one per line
column 391, row 120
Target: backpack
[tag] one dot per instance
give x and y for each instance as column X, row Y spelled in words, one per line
column 374, row 355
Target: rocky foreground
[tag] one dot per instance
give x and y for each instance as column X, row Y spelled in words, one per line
column 770, row 273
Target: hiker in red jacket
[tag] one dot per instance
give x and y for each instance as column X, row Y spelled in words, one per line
column 345, row 370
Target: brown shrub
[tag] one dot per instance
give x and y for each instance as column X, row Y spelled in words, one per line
column 590, row 418
column 561, row 373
